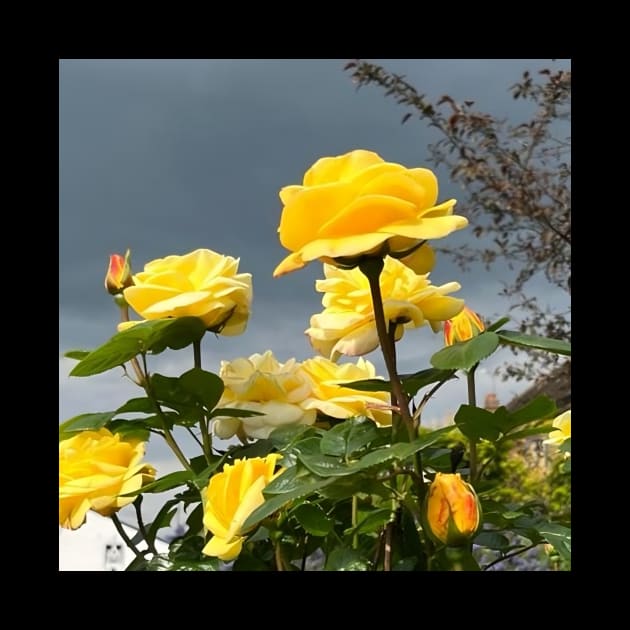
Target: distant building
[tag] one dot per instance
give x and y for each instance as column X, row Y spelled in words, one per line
column 97, row 546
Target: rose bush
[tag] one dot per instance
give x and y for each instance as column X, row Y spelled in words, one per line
column 362, row 484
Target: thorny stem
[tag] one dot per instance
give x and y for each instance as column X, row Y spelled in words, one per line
column 371, row 268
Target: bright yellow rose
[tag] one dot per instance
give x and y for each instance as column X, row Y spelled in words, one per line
column 347, row 326
column 462, row 327
column 261, row 383
column 452, row 509
column 356, row 204
column 562, row 424
column 231, row 496
column 333, row 399
column 200, row 284
column 95, row 468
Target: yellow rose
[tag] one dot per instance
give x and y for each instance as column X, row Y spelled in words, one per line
column 453, row 512
column 95, row 467
column 333, row 399
column 562, row 424
column 231, row 496
column 347, row 325
column 261, row 383
column 462, row 327
column 356, row 204
column 200, row 284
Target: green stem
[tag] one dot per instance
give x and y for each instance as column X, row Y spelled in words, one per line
column 203, row 423
column 140, row 375
column 472, row 401
column 371, row 268
column 123, row 535
column 143, row 530
column 355, row 507
column 168, row 436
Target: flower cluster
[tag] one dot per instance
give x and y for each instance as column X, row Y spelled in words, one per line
column 293, row 393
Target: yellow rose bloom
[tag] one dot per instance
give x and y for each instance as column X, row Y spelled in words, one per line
column 261, row 383
column 355, row 204
column 462, row 327
column 231, row 496
column 200, row 284
column 95, row 468
column 333, row 399
column 562, row 431
column 346, row 326
column 452, row 509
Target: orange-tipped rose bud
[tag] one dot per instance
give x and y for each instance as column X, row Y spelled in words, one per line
column 118, row 274
column 453, row 512
column 464, row 326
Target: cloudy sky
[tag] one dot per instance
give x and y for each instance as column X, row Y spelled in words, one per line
column 167, row 156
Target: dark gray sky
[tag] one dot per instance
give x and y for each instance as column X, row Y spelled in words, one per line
column 166, row 156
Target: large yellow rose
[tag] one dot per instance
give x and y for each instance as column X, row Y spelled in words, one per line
column 347, row 326
column 356, row 204
column 333, row 399
column 562, row 429
column 261, row 383
column 95, row 468
column 200, row 284
column 231, row 496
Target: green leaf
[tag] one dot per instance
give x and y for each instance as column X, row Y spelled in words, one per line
column 559, row 536
column 476, row 423
column 168, row 482
column 84, row 422
column 513, row 338
column 206, row 387
column 373, row 522
column 345, row 559
column 325, row 465
column 76, row 354
column 537, row 430
column 465, row 355
column 540, row 408
column 411, row 382
column 163, row 518
column 291, row 479
column 496, row 325
column 313, row 519
column 137, row 405
column 130, row 429
column 148, row 336
column 170, row 392
column 280, row 500
column 492, row 540
column 348, row 436
column 284, row 436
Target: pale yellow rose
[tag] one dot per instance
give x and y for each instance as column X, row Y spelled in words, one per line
column 330, row 397
column 562, row 432
column 356, row 204
column 95, row 468
column 261, row 383
column 231, row 496
column 200, row 284
column 347, row 326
